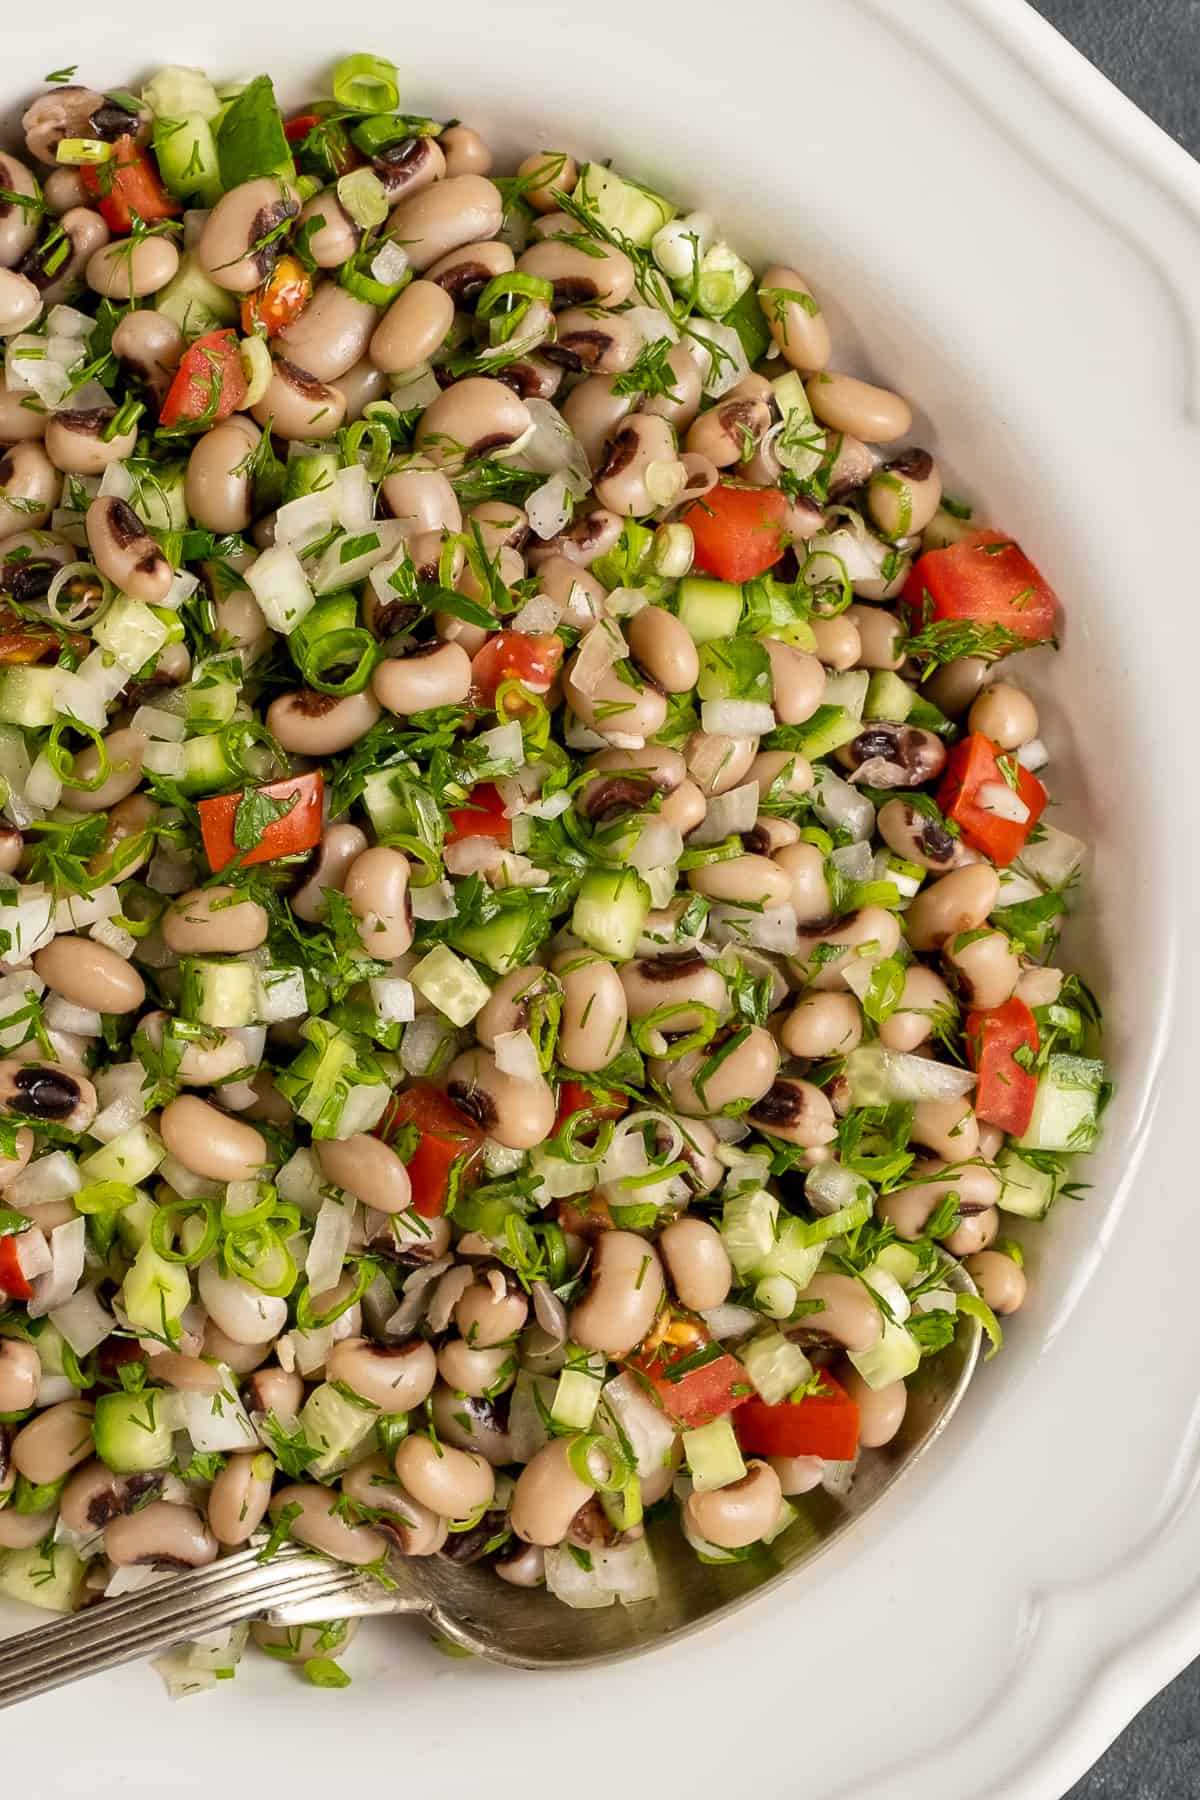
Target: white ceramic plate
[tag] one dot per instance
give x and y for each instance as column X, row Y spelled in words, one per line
column 1002, row 237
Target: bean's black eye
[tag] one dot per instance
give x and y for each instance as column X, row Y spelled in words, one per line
column 46, row 1094
column 936, row 840
column 879, row 742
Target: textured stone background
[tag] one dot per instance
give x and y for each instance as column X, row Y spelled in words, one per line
column 1150, row 49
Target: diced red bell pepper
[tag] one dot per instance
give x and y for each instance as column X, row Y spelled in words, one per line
column 824, row 1425
column 1006, row 1092
column 527, row 657
column 482, row 816
column 576, row 1097
column 973, row 766
column 445, row 1135
column 985, row 578
column 294, row 831
column 210, row 382
column 739, row 532
column 12, row 1282
column 693, row 1378
column 280, row 300
column 128, row 183
column 297, row 129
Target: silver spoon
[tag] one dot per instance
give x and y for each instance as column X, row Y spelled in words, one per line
column 523, row 1628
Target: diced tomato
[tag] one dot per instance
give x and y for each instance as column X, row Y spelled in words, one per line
column 329, row 154
column 446, row 1134
column 297, row 129
column 693, row 1378
column 30, row 645
column 294, row 831
column 12, row 1282
column 739, row 532
column 210, row 382
column 1006, row 1092
column 973, row 766
column 986, row 578
column 575, row 1097
column 483, row 816
column 526, row 657
column 128, row 183
column 824, row 1425
column 280, row 300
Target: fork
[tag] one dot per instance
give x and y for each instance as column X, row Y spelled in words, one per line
column 126, row 1630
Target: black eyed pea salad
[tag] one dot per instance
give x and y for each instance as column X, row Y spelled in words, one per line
column 528, row 916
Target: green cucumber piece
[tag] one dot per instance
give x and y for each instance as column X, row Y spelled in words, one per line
column 194, row 302
column 829, row 728
column 1066, row 1112
column 747, row 1227
column 134, row 1222
column 708, row 610
column 624, row 207
column 748, row 320
column 28, row 696
column 848, row 689
column 177, row 90
column 888, row 698
column 336, row 1426
column 133, row 1432
column 1024, row 1190
column 186, row 152
column 310, row 473
column 49, row 1576
column 154, row 1292
column 610, row 910
column 218, row 993
column 497, row 945
column 893, row 1358
column 206, row 765
column 130, row 1157
column 713, row 1457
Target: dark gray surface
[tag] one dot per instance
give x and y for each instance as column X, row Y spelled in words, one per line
column 1150, row 49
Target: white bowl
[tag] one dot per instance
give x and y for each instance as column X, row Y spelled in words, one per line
column 1002, row 237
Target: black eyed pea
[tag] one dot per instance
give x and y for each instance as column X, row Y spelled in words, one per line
column 616, row 709
column 518, row 1113
column 465, row 152
column 746, row 1073
column 407, row 167
column 124, row 750
column 19, row 225
column 127, row 271
column 729, row 433
column 394, row 1377
column 846, row 404
column 557, row 174
column 880, row 1410
column 848, row 1316
column 797, row 324
column 641, row 454
column 10, row 1168
column 697, row 1263
column 30, row 489
column 208, row 1142
column 54, row 1442
column 149, row 345
column 923, row 1000
column 215, row 920
column 598, row 343
column 473, row 1423
column 797, row 1112
column 1003, row 712
column 592, row 532
column 367, row 1168
column 410, row 1528
column 239, row 1497
column 298, row 405
column 797, row 1474
column 888, row 756
column 625, row 781
column 595, row 413
column 74, row 111
column 241, row 241
column 522, row 1568
column 46, row 1092
column 12, row 845
column 90, row 974
column 734, row 1516
column 94, row 1495
column 62, row 189
column 870, row 926
column 976, row 1189
column 548, row 1494
column 427, row 677
column 974, row 1233
column 623, row 1297
column 376, row 886
column 359, row 387
column 948, row 1128
column 991, row 1138
column 513, row 1002
column 799, row 681
column 300, row 1643
column 578, row 277
column 340, row 846
column 1001, row 1281
column 85, row 231
column 985, row 969
column 241, row 624
column 465, row 272
column 20, row 302
column 502, row 525
column 880, row 637
column 680, row 406
column 331, row 235
column 918, row 838
column 681, row 980
column 685, row 808
column 219, row 486
column 956, row 684
column 123, row 549
column 20, row 424
column 273, row 1389
column 413, row 328
column 780, row 772
column 321, row 1527
column 76, row 441
column 452, row 1483
column 331, row 335
column 257, row 1314
column 742, row 881
column 20, row 1375
column 594, row 1012
column 903, row 496
column 462, row 209
column 491, row 1311
column 958, row 903
column 838, row 643
column 421, row 498
column 211, row 1058
column 160, row 1533
column 473, row 418
column 717, row 763
column 21, row 1531
column 821, row 1025
column 308, row 723
column 664, row 649
column 482, row 1374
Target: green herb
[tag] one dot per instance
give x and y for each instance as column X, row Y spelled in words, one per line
column 650, row 373
column 257, row 811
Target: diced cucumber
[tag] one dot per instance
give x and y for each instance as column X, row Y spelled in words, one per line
column 708, row 610
column 792, row 1254
column 1066, row 1112
column 29, row 696
column 134, row 1221
column 749, row 322
column 310, row 473
column 130, row 1157
column 610, row 910
column 206, row 765
column 800, row 446
column 748, row 1227
column 724, row 278
column 894, row 1357
column 713, row 1456
column 176, row 90
column 49, row 1346
column 218, row 993
column 888, row 698
column 775, row 1365
column 899, row 1261
column 386, row 806
column 452, row 985
column 848, row 690
column 928, row 717
column 737, row 669
column 133, row 633
column 626, row 208
column 211, row 696
column 158, row 496
column 49, row 1576
column 186, row 152
column 154, row 1292
column 194, row 302
column 1024, row 1190
column 134, row 1432
column 828, row 729
column 497, row 945
column 336, row 1426
column 322, row 1064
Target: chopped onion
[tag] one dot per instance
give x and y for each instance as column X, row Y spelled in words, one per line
column 651, row 324
column 422, row 1043
column 500, row 1159
column 550, row 1313
column 120, row 1081
column 516, row 1055
column 538, row 616
column 774, row 928
column 330, row 1241
column 75, row 912
column 1033, row 755
column 68, row 322
column 156, row 724
column 576, row 1586
column 997, row 798
column 558, row 1177
column 717, row 373
column 829, row 1188
column 393, row 999
column 182, row 587
column 53, row 1177
column 854, row 861
column 417, row 387
column 132, row 1578
column 301, row 1182
column 389, row 265
column 549, row 508
column 118, row 1116
column 837, row 1478
column 728, row 815
column 84, row 1321
column 551, row 448
column 117, row 483
column 281, row 588
column 67, row 1247
column 75, row 695
column 730, row 1131
column 737, row 718
column 1054, row 858
column 305, row 521
column 578, row 736
column 856, row 553
column 218, row 1421
column 728, row 1321
column 187, row 1184
column 623, row 602
column 281, row 995
column 446, row 1295
column 34, row 1258
column 362, row 1109
column 599, row 651
column 435, row 901
column 839, row 806
column 527, row 1429
column 879, row 1077
column 252, row 1038
column 417, row 1291
column 165, row 759
column 648, row 1430
column 504, row 743
column 659, row 845
column 63, row 1015
column 627, row 1570
column 171, row 873
column 43, row 787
